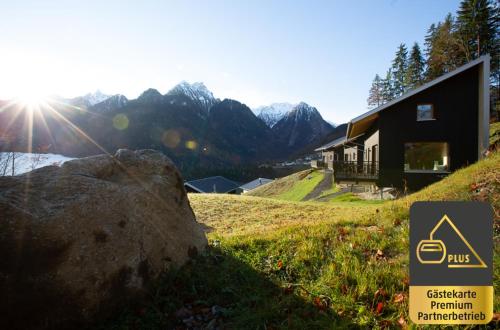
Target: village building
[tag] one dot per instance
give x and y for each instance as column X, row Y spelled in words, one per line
column 419, row 137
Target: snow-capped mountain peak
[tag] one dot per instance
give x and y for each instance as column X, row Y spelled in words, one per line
column 96, row 97
column 197, row 92
column 273, row 113
column 303, row 111
column 114, row 102
column 302, row 126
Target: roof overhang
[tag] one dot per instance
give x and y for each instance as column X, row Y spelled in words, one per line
column 344, row 142
column 333, row 144
column 357, row 128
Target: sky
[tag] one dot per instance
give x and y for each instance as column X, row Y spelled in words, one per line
column 325, row 53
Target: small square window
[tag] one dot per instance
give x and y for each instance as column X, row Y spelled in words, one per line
column 425, row 112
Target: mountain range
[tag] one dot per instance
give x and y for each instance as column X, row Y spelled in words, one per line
column 273, row 113
column 187, row 123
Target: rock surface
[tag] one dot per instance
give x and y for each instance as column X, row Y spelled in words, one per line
column 80, row 240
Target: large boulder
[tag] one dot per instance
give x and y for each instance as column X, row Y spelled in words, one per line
column 80, row 240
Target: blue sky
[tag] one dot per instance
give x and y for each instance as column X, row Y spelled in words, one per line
column 325, row 53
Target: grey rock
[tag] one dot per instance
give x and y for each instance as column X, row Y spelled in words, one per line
column 80, row 240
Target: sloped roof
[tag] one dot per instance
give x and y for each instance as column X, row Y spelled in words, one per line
column 338, row 142
column 255, row 183
column 217, row 184
column 332, row 144
column 373, row 114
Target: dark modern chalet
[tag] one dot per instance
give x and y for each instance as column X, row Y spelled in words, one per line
column 420, row 137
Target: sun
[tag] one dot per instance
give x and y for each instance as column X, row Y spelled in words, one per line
column 32, row 100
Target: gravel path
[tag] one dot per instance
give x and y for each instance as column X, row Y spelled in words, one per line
column 325, row 184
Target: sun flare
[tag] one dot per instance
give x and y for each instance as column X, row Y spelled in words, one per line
column 32, row 100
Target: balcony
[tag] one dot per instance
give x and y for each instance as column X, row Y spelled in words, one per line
column 354, row 170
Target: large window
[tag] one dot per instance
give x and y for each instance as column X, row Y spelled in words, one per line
column 426, row 157
column 425, row 112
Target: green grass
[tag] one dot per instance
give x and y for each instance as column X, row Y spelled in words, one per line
column 347, row 197
column 292, row 187
column 335, row 188
column 276, row 264
column 353, row 200
column 279, row 186
column 301, row 188
column 494, row 133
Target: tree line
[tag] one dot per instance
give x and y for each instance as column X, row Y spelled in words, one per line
column 473, row 32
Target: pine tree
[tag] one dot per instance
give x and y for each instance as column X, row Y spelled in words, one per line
column 433, row 70
column 445, row 50
column 375, row 96
column 478, row 27
column 399, row 68
column 415, row 71
column 387, row 87
column 429, row 38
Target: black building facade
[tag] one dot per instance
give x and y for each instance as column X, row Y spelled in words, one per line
column 426, row 134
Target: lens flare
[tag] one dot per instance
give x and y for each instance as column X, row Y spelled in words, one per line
column 32, row 102
column 171, row 138
column 120, row 121
column 191, row 144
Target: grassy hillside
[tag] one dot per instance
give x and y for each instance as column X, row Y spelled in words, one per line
column 302, row 187
column 294, row 265
column 292, row 188
column 235, row 215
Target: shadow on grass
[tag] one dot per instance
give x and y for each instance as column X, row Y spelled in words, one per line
column 218, row 291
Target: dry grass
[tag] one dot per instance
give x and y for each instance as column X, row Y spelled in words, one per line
column 307, row 265
column 494, row 133
column 231, row 214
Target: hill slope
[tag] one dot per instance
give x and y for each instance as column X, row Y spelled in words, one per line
column 304, row 265
column 282, row 186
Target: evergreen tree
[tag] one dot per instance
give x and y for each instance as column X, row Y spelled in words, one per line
column 415, row 71
column 433, row 70
column 445, row 49
column 387, row 87
column 429, row 38
column 375, row 96
column 478, row 27
column 399, row 68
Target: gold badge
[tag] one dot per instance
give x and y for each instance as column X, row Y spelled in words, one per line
column 451, row 260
